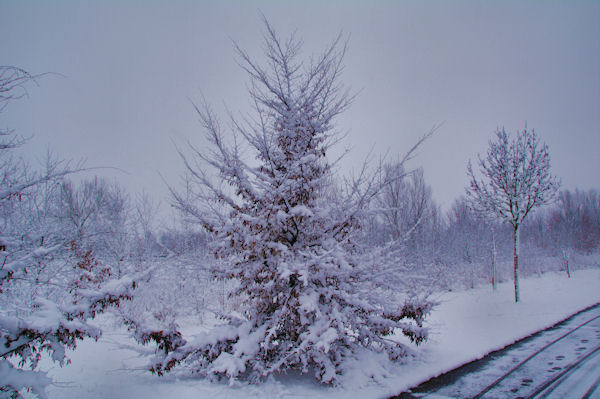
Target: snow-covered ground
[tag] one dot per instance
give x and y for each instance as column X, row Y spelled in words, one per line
column 466, row 325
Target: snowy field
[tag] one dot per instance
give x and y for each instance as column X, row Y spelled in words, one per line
column 464, row 326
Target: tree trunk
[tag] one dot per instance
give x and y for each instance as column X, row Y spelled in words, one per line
column 566, row 257
column 516, row 260
column 493, row 260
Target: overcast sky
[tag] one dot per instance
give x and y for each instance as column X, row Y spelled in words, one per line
column 129, row 70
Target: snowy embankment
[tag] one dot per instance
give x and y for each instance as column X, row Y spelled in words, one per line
column 464, row 326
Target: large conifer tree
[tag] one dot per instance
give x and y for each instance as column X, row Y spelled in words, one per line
column 310, row 299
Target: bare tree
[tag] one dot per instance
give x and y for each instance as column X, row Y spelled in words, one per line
column 15, row 176
column 81, row 204
column 13, row 84
column 574, row 224
column 515, row 178
column 404, row 200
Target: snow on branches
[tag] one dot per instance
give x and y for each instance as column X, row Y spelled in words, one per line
column 284, row 235
column 50, row 327
column 515, row 177
column 51, row 314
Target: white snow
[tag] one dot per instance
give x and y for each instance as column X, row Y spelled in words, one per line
column 17, row 378
column 301, row 210
column 465, row 326
column 579, row 383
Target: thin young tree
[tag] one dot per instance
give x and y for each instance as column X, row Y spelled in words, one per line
column 515, row 178
column 285, row 235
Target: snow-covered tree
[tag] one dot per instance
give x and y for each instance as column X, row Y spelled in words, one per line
column 96, row 214
column 573, row 225
column 405, row 217
column 403, row 201
column 33, row 251
column 515, row 178
column 473, row 242
column 284, row 235
column 575, row 221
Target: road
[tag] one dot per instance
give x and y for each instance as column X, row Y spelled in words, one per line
column 560, row 362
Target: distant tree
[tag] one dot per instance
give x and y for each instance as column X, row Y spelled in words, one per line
column 515, row 178
column 589, row 234
column 473, row 242
column 96, row 213
column 405, row 216
column 284, row 235
column 403, row 201
column 567, row 220
column 575, row 223
column 465, row 229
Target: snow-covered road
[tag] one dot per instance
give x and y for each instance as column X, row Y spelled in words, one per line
column 561, row 361
column 582, row 381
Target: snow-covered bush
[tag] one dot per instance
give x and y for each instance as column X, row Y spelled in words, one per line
column 52, row 328
column 311, row 296
column 49, row 285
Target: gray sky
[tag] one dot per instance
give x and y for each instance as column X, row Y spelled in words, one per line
column 130, row 69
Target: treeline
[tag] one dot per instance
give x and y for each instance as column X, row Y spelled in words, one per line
column 461, row 247
column 99, row 223
column 98, row 231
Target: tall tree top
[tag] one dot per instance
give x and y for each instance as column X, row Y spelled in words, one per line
column 515, row 177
